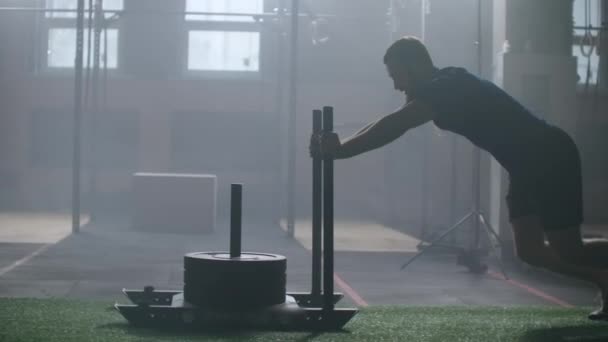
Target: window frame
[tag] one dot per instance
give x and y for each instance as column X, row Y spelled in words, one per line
column 602, row 75
column 49, row 23
column 225, row 26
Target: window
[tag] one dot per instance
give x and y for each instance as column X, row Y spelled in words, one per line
column 223, row 43
column 586, row 13
column 60, row 30
column 61, row 48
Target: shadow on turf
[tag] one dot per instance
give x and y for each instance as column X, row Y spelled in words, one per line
column 239, row 335
column 585, row 333
column 143, row 332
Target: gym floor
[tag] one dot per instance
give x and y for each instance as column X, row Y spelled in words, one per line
column 107, row 256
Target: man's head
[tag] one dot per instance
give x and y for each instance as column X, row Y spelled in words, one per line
column 408, row 63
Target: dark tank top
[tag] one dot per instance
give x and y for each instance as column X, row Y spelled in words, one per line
column 487, row 116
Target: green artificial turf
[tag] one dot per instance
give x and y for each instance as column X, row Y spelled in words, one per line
column 69, row 320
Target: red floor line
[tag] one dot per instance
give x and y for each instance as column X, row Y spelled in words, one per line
column 350, row 291
column 532, row 290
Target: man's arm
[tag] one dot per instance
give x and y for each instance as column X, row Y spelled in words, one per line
column 366, row 127
column 385, row 130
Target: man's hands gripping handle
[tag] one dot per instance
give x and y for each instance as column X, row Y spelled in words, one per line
column 324, row 145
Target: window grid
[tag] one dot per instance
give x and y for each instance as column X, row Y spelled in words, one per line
column 222, row 45
column 580, row 19
column 59, row 46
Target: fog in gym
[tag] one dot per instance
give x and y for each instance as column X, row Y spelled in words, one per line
column 118, row 155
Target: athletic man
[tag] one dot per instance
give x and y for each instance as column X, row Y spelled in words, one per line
column 543, row 163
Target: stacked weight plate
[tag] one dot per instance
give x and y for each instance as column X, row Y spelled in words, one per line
column 215, row 280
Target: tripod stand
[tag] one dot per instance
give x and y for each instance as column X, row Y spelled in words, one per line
column 471, row 258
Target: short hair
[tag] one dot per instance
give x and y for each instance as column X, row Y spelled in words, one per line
column 408, row 51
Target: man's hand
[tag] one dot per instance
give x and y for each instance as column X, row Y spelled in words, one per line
column 325, row 145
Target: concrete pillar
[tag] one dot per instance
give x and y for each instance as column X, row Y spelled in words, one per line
column 533, row 62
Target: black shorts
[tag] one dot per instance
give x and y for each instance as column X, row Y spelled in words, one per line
column 551, row 186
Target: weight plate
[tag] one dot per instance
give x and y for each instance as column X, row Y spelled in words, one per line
column 224, row 295
column 243, row 257
column 221, row 262
column 224, row 258
column 213, row 279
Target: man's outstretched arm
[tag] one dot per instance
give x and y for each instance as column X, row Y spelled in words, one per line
column 385, row 130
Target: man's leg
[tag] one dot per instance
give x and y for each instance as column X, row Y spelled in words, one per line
column 554, row 195
column 529, row 238
column 569, row 245
column 598, row 249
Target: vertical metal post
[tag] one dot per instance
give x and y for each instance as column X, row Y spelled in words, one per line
column 291, row 128
column 603, row 67
column 104, row 87
column 425, row 147
column 328, row 218
column 424, row 198
column 76, row 130
column 280, row 112
column 476, row 195
column 476, row 151
column 93, row 132
column 453, row 183
column 236, row 210
column 317, row 209
column 603, row 42
column 87, row 71
column 87, row 68
column 605, row 14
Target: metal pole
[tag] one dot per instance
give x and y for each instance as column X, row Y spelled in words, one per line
column 87, row 76
column 105, row 68
column 104, row 87
column 291, row 129
column 93, row 138
column 317, row 209
column 425, row 186
column 476, row 151
column 603, row 42
column 454, row 182
column 328, row 218
column 280, row 109
column 425, row 147
column 76, row 130
column 236, row 210
column 476, row 195
column 86, row 97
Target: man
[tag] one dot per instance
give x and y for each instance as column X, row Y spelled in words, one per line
column 543, row 163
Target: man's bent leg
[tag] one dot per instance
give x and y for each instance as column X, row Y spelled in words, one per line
column 598, row 250
column 529, row 238
column 530, row 247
